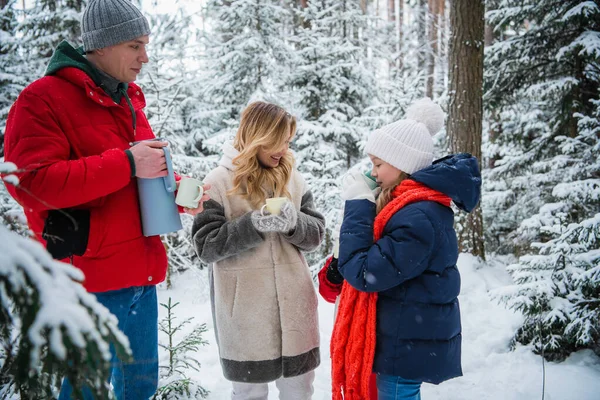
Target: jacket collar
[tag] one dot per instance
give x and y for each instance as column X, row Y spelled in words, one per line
column 99, row 95
column 229, row 153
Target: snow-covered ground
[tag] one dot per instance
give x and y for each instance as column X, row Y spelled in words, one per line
column 491, row 371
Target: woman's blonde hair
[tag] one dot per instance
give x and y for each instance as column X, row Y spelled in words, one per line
column 263, row 126
column 386, row 194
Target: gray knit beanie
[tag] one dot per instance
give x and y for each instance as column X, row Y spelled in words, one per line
column 407, row 144
column 109, row 22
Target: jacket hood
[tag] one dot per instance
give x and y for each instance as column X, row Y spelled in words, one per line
column 65, row 56
column 229, row 153
column 457, row 176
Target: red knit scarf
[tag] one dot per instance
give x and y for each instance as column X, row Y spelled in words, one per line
column 353, row 338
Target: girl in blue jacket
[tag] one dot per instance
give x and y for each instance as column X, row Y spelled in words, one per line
column 399, row 314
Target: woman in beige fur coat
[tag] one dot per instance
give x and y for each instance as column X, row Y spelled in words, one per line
column 263, row 298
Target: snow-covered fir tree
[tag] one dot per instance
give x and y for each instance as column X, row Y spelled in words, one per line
column 543, row 192
column 178, row 362
column 173, row 106
column 47, row 318
column 11, row 214
column 13, row 71
column 246, row 57
column 46, row 23
column 333, row 84
column 13, row 79
column 169, row 84
column 403, row 80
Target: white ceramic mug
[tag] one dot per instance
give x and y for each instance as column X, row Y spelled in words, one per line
column 189, row 193
column 273, row 205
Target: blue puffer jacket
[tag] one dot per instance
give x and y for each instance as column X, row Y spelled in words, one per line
column 413, row 267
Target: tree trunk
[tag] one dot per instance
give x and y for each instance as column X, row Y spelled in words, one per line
column 441, row 69
column 391, row 14
column 422, row 36
column 575, row 99
column 466, row 103
column 304, row 23
column 432, row 37
column 344, row 26
column 489, row 35
column 400, row 33
column 494, row 129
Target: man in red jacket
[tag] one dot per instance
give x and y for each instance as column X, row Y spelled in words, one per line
column 71, row 133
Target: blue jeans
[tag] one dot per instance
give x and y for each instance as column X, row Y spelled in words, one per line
column 136, row 308
column 391, row 387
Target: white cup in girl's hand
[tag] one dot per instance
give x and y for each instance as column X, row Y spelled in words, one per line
column 189, row 193
column 273, row 205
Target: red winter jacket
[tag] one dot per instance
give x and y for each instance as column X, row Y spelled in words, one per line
column 68, row 136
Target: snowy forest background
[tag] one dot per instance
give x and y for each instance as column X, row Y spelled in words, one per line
column 521, row 89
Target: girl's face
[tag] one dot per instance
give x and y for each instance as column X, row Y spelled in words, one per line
column 385, row 174
column 271, row 158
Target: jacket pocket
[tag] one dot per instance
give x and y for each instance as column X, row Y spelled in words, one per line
column 66, row 232
column 226, row 287
column 235, row 292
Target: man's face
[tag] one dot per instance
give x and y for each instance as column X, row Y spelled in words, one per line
column 124, row 61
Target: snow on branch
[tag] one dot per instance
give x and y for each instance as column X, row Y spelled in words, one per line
column 61, row 327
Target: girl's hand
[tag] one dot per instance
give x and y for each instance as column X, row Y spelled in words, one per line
column 333, row 274
column 354, row 187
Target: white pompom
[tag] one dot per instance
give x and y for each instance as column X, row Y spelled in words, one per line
column 427, row 112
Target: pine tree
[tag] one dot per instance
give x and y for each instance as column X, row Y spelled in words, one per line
column 246, row 56
column 175, row 384
column 333, row 85
column 47, row 23
column 169, row 84
column 544, row 190
column 50, row 326
column 173, row 104
column 11, row 84
column 540, row 81
column 11, row 77
column 11, row 214
column 558, row 289
column 404, row 82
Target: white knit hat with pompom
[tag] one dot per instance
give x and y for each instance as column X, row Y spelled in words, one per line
column 407, row 144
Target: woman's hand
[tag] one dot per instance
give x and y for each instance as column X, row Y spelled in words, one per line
column 205, row 197
column 284, row 222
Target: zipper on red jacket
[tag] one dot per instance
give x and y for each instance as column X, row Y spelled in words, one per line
column 133, row 118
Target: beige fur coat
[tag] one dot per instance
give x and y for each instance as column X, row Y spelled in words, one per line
column 263, row 297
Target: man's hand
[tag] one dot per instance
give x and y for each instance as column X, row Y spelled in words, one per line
column 205, row 197
column 149, row 159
